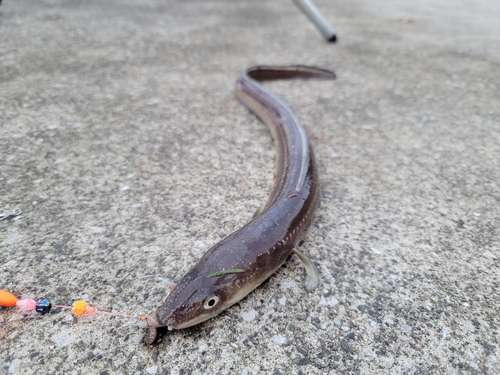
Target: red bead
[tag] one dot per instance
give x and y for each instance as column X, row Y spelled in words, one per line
column 26, row 304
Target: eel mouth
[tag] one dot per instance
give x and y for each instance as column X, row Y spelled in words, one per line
column 153, row 325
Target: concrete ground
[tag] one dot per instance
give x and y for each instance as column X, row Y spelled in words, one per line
column 123, row 144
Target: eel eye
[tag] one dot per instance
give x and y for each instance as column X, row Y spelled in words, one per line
column 210, row 302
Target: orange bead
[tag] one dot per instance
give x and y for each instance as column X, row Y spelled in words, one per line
column 79, row 308
column 7, row 299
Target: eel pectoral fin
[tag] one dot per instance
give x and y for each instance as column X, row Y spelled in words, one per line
column 312, row 278
column 259, row 211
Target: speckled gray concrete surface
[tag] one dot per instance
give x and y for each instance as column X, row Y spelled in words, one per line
column 122, row 142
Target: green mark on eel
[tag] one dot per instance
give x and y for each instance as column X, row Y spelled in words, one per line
column 254, row 252
column 225, row 272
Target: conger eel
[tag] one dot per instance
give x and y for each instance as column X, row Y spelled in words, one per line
column 243, row 260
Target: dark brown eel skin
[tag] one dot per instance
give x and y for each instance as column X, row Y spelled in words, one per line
column 243, row 260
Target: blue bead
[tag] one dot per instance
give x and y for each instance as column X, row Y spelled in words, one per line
column 43, row 306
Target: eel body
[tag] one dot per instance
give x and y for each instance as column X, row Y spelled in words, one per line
column 240, row 262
